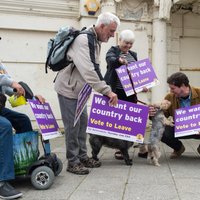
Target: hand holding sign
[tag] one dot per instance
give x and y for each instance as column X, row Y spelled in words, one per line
column 187, row 121
column 126, row 121
column 45, row 119
column 142, row 76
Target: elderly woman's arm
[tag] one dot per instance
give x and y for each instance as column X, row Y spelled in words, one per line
column 113, row 58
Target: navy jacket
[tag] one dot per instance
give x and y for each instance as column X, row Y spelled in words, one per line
column 112, row 59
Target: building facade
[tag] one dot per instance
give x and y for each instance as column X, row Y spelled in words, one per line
column 167, row 32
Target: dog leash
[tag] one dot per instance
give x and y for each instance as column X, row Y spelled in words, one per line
column 129, row 74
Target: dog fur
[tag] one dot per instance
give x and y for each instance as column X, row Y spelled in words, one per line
column 97, row 142
column 158, row 126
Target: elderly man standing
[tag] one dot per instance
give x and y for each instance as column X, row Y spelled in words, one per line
column 84, row 53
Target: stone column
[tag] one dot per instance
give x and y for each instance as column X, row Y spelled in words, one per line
column 159, row 56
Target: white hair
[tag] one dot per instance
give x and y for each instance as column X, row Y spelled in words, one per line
column 127, row 35
column 107, row 18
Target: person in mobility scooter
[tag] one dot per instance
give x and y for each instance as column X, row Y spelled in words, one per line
column 10, row 119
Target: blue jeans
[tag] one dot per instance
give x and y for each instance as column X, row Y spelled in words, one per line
column 21, row 123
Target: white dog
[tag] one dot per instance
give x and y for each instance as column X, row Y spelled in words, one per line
column 158, row 126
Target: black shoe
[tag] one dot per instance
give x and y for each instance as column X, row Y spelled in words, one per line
column 9, row 192
column 198, row 149
column 118, row 155
column 143, row 155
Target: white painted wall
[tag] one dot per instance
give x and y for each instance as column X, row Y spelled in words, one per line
column 185, row 46
column 23, row 50
column 25, row 36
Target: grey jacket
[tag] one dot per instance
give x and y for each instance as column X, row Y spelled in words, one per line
column 5, row 81
column 84, row 53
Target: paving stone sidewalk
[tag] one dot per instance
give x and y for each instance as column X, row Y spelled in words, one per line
column 174, row 180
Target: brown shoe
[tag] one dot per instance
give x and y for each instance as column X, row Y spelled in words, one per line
column 198, row 149
column 178, row 153
column 77, row 169
column 91, row 163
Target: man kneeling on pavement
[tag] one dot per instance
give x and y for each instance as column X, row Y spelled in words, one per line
column 181, row 95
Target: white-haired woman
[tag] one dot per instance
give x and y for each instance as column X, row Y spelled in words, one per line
column 115, row 57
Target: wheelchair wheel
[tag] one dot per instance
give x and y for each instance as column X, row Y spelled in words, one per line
column 59, row 167
column 42, row 177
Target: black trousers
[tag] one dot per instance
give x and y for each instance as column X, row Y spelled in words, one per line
column 122, row 96
column 169, row 139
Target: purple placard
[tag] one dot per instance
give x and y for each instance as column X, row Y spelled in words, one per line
column 45, row 119
column 142, row 74
column 83, row 96
column 125, row 80
column 187, row 121
column 126, row 121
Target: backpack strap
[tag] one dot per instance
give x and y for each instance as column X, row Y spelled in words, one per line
column 129, row 74
column 91, row 40
column 91, row 44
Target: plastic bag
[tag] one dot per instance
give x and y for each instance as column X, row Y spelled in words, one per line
column 25, row 151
